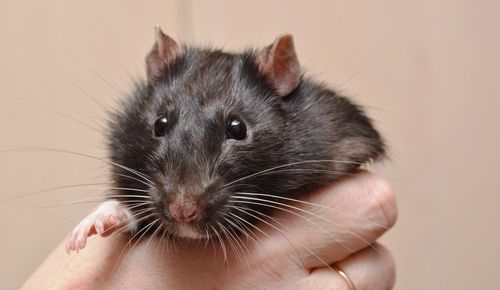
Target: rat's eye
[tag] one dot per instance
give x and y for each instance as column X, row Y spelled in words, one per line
column 236, row 129
column 161, row 126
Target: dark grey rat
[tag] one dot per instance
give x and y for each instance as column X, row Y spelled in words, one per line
column 208, row 125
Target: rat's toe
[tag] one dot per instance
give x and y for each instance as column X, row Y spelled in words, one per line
column 99, row 227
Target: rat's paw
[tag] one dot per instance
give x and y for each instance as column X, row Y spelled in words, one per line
column 109, row 217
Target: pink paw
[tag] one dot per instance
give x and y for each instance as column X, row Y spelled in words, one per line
column 109, row 217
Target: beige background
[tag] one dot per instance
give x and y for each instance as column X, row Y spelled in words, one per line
column 428, row 72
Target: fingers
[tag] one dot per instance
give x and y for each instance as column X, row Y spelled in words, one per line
column 337, row 221
column 371, row 268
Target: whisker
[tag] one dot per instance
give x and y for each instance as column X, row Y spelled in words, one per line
column 84, row 65
column 23, row 195
column 241, row 244
column 56, row 150
column 227, row 219
column 360, row 69
column 313, row 204
column 291, row 164
column 284, row 234
column 136, row 204
column 154, row 234
column 55, row 112
column 219, row 163
column 162, row 240
column 106, row 196
column 231, row 242
column 300, row 263
column 247, row 222
column 309, row 170
column 122, row 226
column 131, row 177
column 242, row 228
column 248, row 233
column 310, row 213
column 87, row 201
column 74, row 84
column 206, row 238
column 221, row 243
column 306, row 219
column 232, row 229
column 116, row 196
column 144, row 230
column 307, row 212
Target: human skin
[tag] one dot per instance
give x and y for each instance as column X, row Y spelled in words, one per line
column 293, row 251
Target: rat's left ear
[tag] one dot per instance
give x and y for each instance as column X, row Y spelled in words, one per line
column 164, row 51
column 280, row 65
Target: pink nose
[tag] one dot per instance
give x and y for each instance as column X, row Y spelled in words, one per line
column 184, row 213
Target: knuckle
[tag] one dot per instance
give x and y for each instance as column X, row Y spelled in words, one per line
column 383, row 202
column 379, row 271
column 390, row 266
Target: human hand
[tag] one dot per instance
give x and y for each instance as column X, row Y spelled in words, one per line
column 337, row 225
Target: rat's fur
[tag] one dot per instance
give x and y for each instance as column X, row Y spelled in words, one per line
column 199, row 91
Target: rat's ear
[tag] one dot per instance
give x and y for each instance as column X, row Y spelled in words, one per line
column 164, row 51
column 280, row 65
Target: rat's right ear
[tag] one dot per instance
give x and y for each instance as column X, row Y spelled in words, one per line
column 164, row 51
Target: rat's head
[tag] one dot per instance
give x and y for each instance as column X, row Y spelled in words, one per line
column 204, row 127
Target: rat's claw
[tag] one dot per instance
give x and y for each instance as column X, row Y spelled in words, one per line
column 99, row 227
column 106, row 219
column 71, row 243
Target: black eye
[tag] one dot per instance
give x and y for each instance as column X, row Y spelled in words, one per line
column 236, row 129
column 161, row 126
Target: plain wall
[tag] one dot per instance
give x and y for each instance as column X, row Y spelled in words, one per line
column 427, row 71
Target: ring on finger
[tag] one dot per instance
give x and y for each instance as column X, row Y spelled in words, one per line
column 344, row 276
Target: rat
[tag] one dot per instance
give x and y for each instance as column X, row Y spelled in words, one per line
column 206, row 125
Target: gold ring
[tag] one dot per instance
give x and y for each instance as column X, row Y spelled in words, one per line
column 344, row 277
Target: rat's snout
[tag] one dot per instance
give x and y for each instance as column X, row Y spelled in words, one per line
column 185, row 211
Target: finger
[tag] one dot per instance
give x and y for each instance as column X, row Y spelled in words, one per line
column 368, row 269
column 336, row 221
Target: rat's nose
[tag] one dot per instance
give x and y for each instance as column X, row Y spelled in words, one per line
column 184, row 212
